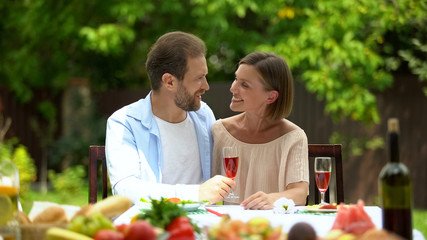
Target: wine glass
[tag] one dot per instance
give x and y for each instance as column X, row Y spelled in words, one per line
column 9, row 201
column 231, row 162
column 322, row 169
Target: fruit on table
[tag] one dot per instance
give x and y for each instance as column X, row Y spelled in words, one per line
column 139, row 230
column 122, row 227
column 372, row 234
column 237, row 229
column 7, row 209
column 302, row 231
column 353, row 219
column 89, row 226
column 56, row 233
column 334, row 234
column 352, row 222
column 7, row 205
column 259, row 224
column 107, row 234
column 180, row 228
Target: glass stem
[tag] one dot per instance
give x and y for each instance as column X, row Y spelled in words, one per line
column 322, row 197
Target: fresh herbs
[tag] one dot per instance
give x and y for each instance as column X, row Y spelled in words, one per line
column 162, row 213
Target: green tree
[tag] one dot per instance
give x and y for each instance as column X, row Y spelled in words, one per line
column 344, row 51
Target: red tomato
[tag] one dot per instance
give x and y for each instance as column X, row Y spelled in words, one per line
column 180, row 229
column 140, row 230
column 328, row 206
column 122, row 228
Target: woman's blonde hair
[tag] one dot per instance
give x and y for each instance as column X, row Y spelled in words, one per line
column 275, row 75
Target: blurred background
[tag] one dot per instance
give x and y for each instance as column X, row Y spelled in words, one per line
column 65, row 66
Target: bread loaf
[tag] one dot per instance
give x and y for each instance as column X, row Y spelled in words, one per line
column 83, row 211
column 111, row 207
column 52, row 214
column 23, row 218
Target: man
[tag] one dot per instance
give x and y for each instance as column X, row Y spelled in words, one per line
column 161, row 146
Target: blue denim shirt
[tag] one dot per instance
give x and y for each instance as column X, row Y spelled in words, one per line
column 134, row 152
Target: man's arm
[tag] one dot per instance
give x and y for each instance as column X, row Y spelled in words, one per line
column 129, row 171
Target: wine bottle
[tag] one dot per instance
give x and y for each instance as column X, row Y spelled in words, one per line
column 395, row 188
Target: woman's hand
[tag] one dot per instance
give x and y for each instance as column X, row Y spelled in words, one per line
column 259, row 201
column 263, row 201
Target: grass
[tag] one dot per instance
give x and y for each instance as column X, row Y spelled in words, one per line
column 419, row 216
column 77, row 199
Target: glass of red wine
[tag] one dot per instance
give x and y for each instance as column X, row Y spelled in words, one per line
column 231, row 162
column 322, row 169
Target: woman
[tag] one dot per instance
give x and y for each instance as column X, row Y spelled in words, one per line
column 273, row 151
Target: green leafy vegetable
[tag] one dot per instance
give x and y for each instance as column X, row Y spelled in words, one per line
column 162, row 213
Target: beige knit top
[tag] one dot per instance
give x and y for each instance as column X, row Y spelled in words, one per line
column 267, row 167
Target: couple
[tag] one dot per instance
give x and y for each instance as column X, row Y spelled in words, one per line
column 169, row 143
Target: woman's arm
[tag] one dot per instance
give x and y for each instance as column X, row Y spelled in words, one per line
column 263, row 201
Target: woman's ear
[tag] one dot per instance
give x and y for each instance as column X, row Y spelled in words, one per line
column 272, row 96
column 168, row 80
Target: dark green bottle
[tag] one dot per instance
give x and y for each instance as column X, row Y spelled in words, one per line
column 395, row 188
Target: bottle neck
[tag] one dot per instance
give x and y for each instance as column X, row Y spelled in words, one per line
column 393, row 146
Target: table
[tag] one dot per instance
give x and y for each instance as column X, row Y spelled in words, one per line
column 321, row 223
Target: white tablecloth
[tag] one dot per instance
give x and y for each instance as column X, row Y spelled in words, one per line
column 321, row 223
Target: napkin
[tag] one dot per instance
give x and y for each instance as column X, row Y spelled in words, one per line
column 38, row 207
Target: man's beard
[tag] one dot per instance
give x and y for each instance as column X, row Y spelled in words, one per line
column 186, row 101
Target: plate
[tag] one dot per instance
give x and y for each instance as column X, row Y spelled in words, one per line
column 191, row 206
column 318, row 210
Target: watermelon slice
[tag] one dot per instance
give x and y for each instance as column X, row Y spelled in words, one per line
column 353, row 219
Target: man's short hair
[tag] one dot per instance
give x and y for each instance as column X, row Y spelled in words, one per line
column 169, row 55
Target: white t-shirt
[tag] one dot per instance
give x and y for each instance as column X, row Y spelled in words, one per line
column 181, row 159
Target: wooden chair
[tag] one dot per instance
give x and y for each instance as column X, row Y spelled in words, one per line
column 336, row 184
column 97, row 156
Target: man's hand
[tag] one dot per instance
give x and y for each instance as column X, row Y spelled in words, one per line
column 215, row 189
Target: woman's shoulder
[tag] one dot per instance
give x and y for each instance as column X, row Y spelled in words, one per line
column 229, row 123
column 287, row 126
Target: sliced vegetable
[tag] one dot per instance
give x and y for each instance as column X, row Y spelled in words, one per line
column 174, row 200
column 328, row 206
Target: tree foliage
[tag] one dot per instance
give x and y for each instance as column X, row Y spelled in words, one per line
column 344, row 51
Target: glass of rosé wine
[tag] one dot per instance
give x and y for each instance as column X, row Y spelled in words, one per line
column 322, row 170
column 231, row 162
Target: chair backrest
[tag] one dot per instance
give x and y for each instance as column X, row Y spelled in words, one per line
column 97, row 156
column 336, row 184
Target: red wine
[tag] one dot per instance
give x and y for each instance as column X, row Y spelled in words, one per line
column 230, row 166
column 322, row 180
column 395, row 188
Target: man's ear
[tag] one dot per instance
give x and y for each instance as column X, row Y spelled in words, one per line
column 272, row 96
column 169, row 81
